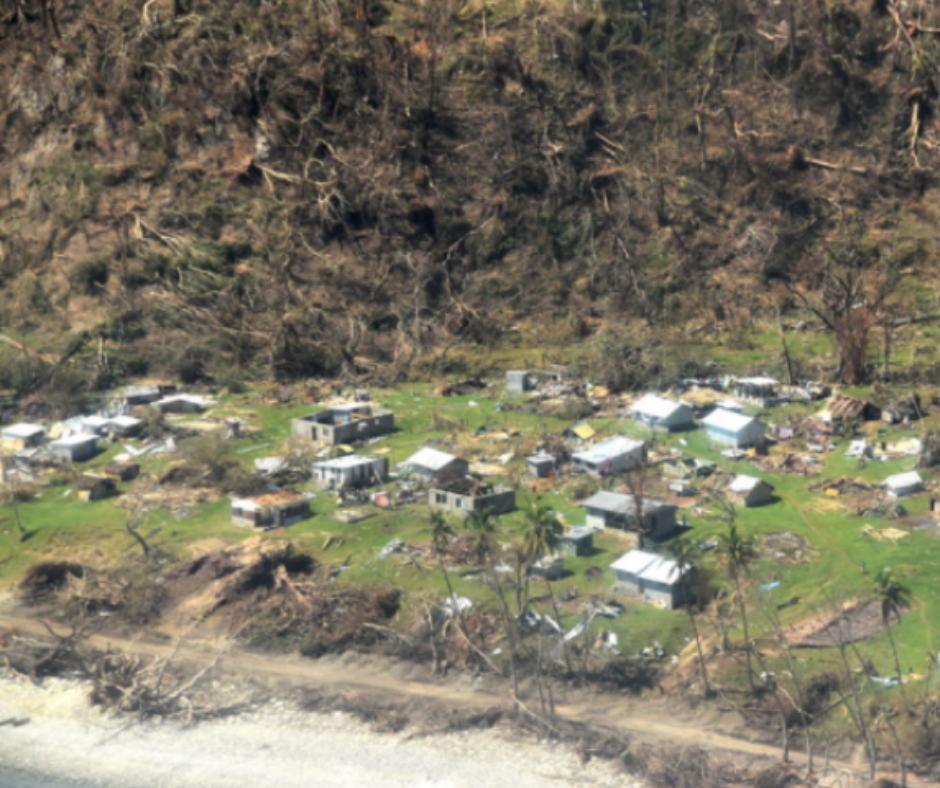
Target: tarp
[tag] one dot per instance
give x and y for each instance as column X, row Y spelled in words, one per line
column 583, row 431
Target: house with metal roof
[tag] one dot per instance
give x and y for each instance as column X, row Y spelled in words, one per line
column 430, row 464
column 351, row 471
column 734, row 429
column 273, row 510
column 74, row 448
column 606, row 509
column 663, row 414
column 614, row 455
column 747, row 491
column 758, row 390
column 902, row 484
column 650, row 576
column 184, row 403
column 353, row 421
column 21, row 436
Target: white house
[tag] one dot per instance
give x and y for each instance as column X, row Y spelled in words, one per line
column 22, row 436
column 662, row 413
column 430, row 464
column 350, row 471
column 650, row 576
column 184, row 403
column 902, row 484
column 735, row 429
column 749, row 491
column 614, row 455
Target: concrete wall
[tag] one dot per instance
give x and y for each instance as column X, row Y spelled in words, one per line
column 500, row 502
column 630, row 585
column 78, row 453
column 360, row 475
column 371, row 427
column 454, row 469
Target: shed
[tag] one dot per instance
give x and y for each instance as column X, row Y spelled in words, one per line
column 759, row 389
column 122, row 471
column 353, row 470
column 353, row 421
column 614, row 455
column 540, row 465
column 734, row 429
column 141, row 395
column 618, row 510
column 664, row 414
column 902, row 484
column 75, row 448
column 429, row 464
column 844, row 408
column 273, row 510
column 647, row 575
column 125, row 426
column 92, row 487
column 22, row 436
column 747, row 491
column 518, row 380
column 577, row 541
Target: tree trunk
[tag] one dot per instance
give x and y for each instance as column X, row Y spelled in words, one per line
column 747, row 637
column 698, row 640
column 859, row 714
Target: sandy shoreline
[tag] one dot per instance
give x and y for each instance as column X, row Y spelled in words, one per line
column 277, row 745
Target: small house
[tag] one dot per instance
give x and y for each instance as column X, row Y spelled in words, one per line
column 141, row 395
column 74, row 448
column 614, row 455
column 747, row 491
column 577, row 541
column 663, row 414
column 734, row 429
column 183, row 403
column 540, row 465
column 22, row 436
column 341, row 424
column 607, row 509
column 125, row 426
column 273, row 510
column 687, row 468
column 518, row 380
column 650, row 576
column 92, row 487
column 429, row 464
column 122, row 471
column 758, row 390
column 462, row 495
column 843, row 408
column 351, row 471
column 902, row 484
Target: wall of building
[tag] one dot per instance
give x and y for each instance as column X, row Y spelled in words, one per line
column 454, row 503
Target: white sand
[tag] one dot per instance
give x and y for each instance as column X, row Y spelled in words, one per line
column 277, row 746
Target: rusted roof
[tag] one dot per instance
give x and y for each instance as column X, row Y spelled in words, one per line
column 844, row 407
column 279, row 498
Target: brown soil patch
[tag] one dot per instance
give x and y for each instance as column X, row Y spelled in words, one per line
column 858, row 621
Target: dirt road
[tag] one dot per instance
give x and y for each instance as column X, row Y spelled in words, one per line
column 642, row 721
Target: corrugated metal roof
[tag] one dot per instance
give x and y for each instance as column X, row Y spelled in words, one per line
column 634, row 562
column 608, row 449
column 22, row 430
column 349, row 461
column 620, row 503
column 649, row 567
column 429, row 458
column 657, row 407
column 899, row 480
column 744, row 484
column 726, row 420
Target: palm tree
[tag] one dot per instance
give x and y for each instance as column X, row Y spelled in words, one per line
column 739, row 552
column 685, row 553
column 544, row 532
column 480, row 521
column 441, row 533
column 892, row 595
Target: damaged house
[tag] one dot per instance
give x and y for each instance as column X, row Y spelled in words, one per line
column 614, row 455
column 903, row 484
column 272, row 510
column 747, row 491
column 519, row 381
column 18, row 437
column 183, row 403
column 430, row 465
column 92, row 487
column 351, row 471
column 842, row 408
column 607, row 509
column 461, row 495
column 340, row 424
column 650, row 576
column 663, row 414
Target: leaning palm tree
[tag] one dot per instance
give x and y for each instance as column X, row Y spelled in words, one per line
column 739, row 552
column 685, row 553
column 441, row 534
column 892, row 595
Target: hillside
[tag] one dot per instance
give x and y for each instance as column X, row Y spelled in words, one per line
column 337, row 187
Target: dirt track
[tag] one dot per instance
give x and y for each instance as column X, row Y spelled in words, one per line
column 642, row 721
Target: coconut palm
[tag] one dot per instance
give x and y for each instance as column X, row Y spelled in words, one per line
column 441, row 534
column 738, row 553
column 892, row 595
column 685, row 553
column 480, row 521
column 544, row 532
